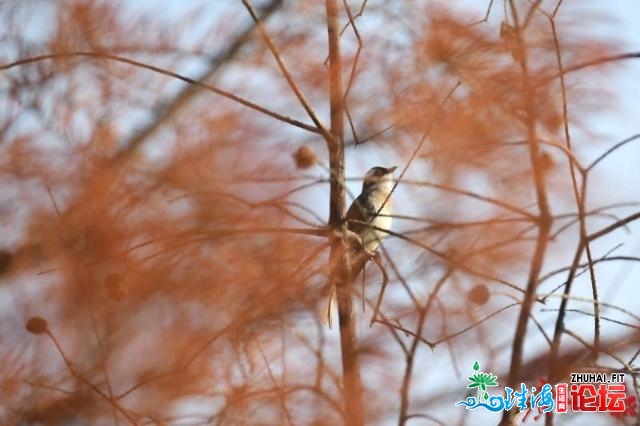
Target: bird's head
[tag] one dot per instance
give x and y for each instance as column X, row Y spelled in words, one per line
column 380, row 177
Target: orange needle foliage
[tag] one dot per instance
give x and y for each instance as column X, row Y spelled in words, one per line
column 165, row 198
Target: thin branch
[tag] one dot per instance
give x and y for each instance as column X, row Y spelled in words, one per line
column 281, row 396
column 410, row 356
column 285, row 71
column 486, row 15
column 627, row 367
column 93, row 387
column 584, row 265
column 621, row 223
column 556, row 9
column 215, row 336
column 159, row 70
column 433, row 344
column 612, row 149
column 398, row 275
column 184, row 95
column 589, row 314
column 383, row 287
column 475, row 324
column 92, row 317
column 594, row 62
column 533, row 8
column 352, row 23
column 352, row 74
column 573, row 160
column 450, row 261
column 471, row 194
column 580, row 194
column 352, row 18
column 420, row 143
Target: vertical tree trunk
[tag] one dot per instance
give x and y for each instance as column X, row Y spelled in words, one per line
column 352, row 387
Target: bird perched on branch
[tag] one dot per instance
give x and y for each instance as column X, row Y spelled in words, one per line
column 370, row 213
column 367, row 219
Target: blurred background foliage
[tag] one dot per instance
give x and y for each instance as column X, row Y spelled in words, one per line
column 172, row 238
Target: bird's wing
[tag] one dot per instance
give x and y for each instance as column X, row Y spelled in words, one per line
column 361, row 210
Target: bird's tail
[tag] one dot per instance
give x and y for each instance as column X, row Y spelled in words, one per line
column 330, row 301
column 329, row 305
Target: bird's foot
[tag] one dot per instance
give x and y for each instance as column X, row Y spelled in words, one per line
column 373, row 255
column 354, row 240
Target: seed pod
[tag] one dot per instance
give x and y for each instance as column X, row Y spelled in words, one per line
column 479, row 294
column 305, row 157
column 36, row 325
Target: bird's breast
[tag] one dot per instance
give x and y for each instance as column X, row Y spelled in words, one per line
column 382, row 221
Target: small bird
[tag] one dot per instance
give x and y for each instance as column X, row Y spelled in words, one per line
column 370, row 212
column 367, row 218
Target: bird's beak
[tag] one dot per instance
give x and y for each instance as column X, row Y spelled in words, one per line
column 391, row 169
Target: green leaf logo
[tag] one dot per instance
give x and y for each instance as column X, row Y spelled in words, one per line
column 481, row 381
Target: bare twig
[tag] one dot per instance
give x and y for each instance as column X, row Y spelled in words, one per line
column 352, row 18
column 595, row 62
column 184, row 95
column 486, row 15
column 285, row 71
column 619, row 224
column 410, row 356
column 352, row 74
column 468, row 193
column 423, row 139
column 159, row 70
column 612, row 149
column 579, row 195
column 383, row 286
column 92, row 317
column 112, row 401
